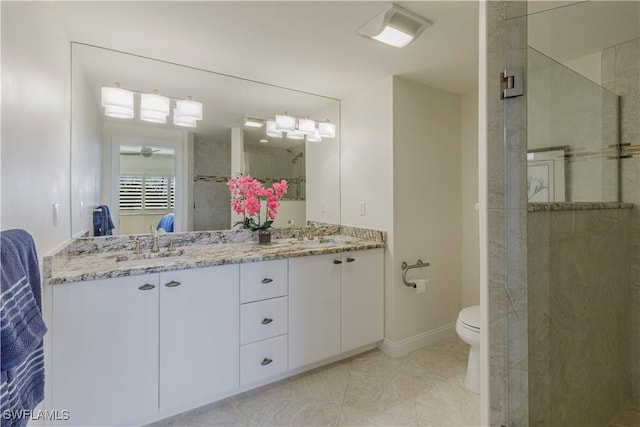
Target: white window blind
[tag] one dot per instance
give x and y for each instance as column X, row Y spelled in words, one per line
column 153, row 193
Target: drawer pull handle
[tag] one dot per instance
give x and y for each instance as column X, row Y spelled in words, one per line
column 146, row 287
column 266, row 361
column 172, row 284
column 266, row 321
column 267, row 280
column 350, row 259
column 337, row 261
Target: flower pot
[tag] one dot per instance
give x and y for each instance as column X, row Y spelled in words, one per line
column 264, row 237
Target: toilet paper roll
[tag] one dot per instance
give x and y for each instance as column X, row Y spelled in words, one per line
column 421, row 286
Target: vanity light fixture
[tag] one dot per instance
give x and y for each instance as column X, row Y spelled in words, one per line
column 327, row 129
column 286, row 122
column 395, row 26
column 306, row 126
column 189, row 108
column 295, row 135
column 272, row 131
column 264, row 141
column 183, row 121
column 117, row 102
column 253, row 122
column 154, row 108
column 314, row 137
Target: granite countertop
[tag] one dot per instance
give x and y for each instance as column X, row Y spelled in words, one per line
column 101, row 265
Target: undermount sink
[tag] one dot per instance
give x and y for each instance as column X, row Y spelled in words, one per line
column 151, row 259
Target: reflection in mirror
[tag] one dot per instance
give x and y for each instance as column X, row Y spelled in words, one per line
column 108, row 152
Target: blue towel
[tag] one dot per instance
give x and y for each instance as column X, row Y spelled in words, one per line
column 102, row 224
column 166, row 223
column 21, row 326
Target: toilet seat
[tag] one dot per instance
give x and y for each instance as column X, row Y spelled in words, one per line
column 470, row 318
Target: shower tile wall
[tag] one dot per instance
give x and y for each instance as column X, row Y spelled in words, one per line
column 211, row 196
column 578, row 287
column 621, row 75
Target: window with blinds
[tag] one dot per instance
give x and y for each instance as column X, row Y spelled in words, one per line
column 142, row 193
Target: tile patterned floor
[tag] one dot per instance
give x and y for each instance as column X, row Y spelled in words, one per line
column 424, row 388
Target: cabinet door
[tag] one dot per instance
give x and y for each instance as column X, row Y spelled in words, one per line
column 105, row 350
column 362, row 298
column 314, row 308
column 199, row 334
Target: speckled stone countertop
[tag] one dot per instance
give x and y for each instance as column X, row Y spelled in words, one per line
column 575, row 206
column 106, row 259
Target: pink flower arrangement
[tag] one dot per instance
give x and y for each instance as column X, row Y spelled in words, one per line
column 246, row 194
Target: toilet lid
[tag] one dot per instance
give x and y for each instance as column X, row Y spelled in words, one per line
column 470, row 316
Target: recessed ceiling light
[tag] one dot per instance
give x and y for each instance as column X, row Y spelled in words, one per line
column 395, row 26
column 253, row 122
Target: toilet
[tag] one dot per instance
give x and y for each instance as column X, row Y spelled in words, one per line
column 468, row 329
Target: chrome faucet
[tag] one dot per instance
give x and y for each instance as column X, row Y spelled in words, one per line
column 154, row 239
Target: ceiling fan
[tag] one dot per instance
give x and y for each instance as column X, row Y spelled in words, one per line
column 144, row 152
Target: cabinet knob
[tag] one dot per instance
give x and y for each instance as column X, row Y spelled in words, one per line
column 146, row 287
column 266, row 321
column 266, row 361
column 172, row 284
column 350, row 259
column 337, row 261
column 267, row 280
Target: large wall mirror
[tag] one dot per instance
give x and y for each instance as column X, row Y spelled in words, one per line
column 143, row 171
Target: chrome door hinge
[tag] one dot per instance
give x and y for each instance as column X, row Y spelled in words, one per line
column 511, row 84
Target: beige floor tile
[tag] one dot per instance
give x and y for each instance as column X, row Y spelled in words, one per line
column 359, row 417
column 392, row 394
column 328, row 385
column 376, row 364
column 444, row 403
column 446, row 361
column 292, row 411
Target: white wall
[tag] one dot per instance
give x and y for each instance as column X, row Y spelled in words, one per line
column 35, row 123
column 427, row 206
column 366, row 169
column 470, row 233
column 86, row 153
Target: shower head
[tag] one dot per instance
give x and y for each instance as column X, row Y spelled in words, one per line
column 296, row 157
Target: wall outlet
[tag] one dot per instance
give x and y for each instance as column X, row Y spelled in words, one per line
column 363, row 208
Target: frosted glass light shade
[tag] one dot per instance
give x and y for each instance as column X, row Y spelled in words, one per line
column 285, row 122
column 306, row 126
column 327, row 129
column 117, row 102
column 253, row 122
column 394, row 37
column 153, row 116
column 314, row 137
column 272, row 131
column 295, row 135
column 189, row 108
column 154, row 104
column 119, row 112
column 184, row 121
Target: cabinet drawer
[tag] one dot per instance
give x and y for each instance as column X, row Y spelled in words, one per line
column 263, row 280
column 263, row 319
column 263, row 359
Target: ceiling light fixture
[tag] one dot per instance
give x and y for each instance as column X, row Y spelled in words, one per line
column 306, row 126
column 395, row 26
column 253, row 122
column 295, row 135
column 314, row 137
column 184, row 121
column 189, row 108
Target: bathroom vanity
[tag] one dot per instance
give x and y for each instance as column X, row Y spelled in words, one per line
column 136, row 338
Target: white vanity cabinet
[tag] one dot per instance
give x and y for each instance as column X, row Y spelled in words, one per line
column 263, row 320
column 104, row 350
column 198, row 334
column 362, row 298
column 314, row 308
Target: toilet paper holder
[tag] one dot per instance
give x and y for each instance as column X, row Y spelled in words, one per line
column 406, row 267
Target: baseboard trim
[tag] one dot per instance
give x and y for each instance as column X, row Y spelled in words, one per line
column 407, row 345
